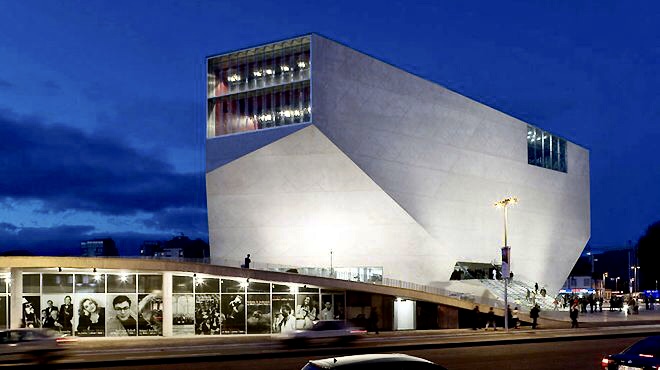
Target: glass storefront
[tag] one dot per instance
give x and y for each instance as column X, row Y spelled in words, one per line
column 4, row 301
column 112, row 303
column 92, row 305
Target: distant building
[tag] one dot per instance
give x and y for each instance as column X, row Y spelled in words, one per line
column 607, row 271
column 149, row 248
column 98, row 248
column 179, row 247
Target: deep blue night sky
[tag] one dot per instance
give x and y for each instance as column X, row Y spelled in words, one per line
column 102, row 103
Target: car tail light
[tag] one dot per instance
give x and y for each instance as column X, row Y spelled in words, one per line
column 644, row 355
column 66, row 340
column 358, row 331
column 606, row 362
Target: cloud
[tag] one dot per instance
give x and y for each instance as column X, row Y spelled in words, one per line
column 153, row 121
column 51, row 85
column 193, row 221
column 4, row 84
column 62, row 240
column 68, row 169
column 65, row 240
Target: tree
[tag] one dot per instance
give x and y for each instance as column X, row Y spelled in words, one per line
column 648, row 253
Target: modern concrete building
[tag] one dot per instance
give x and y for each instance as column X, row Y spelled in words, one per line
column 321, row 156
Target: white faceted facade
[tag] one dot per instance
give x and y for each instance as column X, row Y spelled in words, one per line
column 390, row 170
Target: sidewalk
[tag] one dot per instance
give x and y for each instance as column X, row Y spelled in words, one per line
column 605, row 318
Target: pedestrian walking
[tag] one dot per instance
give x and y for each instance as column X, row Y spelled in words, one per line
column 574, row 316
column 534, row 315
column 490, row 319
column 516, row 322
column 373, row 320
column 475, row 317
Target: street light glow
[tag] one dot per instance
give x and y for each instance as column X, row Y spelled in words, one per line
column 506, row 201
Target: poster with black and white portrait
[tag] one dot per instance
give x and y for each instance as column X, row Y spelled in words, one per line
column 90, row 315
column 208, row 315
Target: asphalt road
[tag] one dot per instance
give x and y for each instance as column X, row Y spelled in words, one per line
column 576, row 355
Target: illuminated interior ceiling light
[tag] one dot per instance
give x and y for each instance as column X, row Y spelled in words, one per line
column 234, row 78
column 302, row 64
column 199, row 281
column 269, row 71
column 123, row 277
column 285, row 68
column 244, row 284
column 293, row 288
column 257, row 73
column 97, row 277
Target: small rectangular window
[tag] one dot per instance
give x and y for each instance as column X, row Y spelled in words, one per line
column 545, row 150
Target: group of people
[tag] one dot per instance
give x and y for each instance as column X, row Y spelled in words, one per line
column 208, row 320
column 513, row 317
column 91, row 317
column 593, row 302
column 304, row 316
column 52, row 317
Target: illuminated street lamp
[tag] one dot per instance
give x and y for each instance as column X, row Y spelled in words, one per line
column 616, row 283
column 636, row 283
column 506, row 262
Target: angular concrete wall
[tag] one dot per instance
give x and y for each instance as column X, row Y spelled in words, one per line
column 294, row 200
column 446, row 159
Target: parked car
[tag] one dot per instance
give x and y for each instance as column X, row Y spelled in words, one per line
column 325, row 331
column 643, row 354
column 373, row 362
column 32, row 345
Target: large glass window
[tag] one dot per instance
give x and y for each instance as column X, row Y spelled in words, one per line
column 115, row 303
column 57, row 283
column 259, row 88
column 545, row 150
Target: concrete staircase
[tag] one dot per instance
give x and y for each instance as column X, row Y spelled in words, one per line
column 517, row 292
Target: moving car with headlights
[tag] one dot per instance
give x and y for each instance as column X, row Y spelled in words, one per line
column 644, row 354
column 326, row 331
column 32, row 346
column 394, row 361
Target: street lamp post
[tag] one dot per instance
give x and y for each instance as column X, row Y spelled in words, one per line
column 504, row 203
column 636, row 283
column 332, row 273
column 616, row 283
